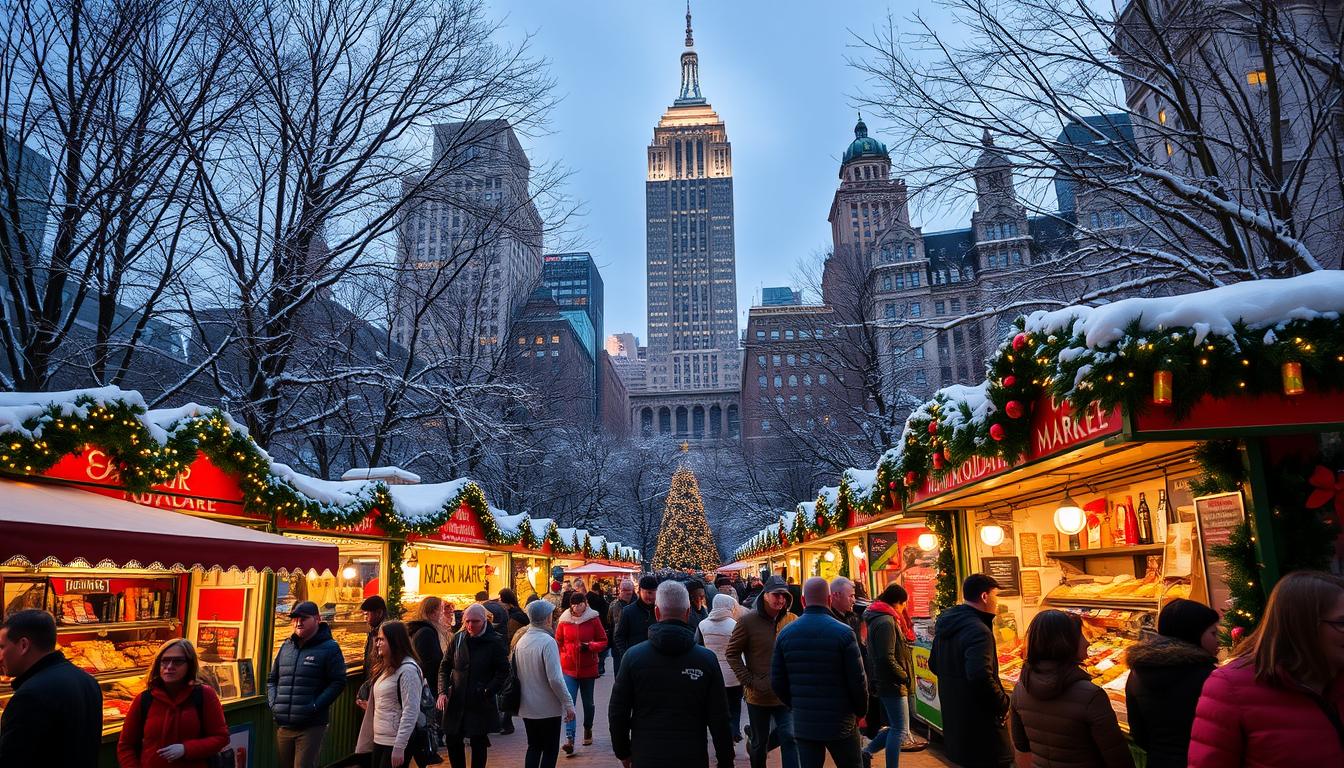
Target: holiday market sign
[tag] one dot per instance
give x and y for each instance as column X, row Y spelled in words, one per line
column 462, row 528
column 201, row 487
column 1055, row 429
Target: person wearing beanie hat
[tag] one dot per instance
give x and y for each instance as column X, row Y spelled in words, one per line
column 1166, row 676
column 751, row 647
column 633, row 626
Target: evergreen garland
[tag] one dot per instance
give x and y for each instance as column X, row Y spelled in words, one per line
column 116, row 427
column 945, row 590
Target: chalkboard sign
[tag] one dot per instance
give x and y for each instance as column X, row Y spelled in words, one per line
column 1217, row 516
column 883, row 551
column 1004, row 570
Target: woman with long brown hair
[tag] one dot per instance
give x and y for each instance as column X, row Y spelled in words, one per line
column 394, row 699
column 1058, row 714
column 430, row 634
column 176, row 722
column 1280, row 701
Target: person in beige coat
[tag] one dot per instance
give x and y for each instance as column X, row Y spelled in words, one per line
column 394, row 699
column 1058, row 714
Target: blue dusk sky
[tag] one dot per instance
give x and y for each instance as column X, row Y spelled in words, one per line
column 775, row 72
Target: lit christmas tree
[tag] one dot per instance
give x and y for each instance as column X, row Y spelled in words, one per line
column 685, row 541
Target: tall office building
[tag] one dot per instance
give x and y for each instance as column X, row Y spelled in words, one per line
column 693, row 358
column 479, row 214
column 576, row 285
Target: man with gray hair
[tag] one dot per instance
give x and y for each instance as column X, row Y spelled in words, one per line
column 816, row 670
column 625, row 595
column 667, row 693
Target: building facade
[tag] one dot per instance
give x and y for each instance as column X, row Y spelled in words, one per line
column 469, row 246
column 576, row 284
column 788, row 382
column 553, row 354
column 692, row 273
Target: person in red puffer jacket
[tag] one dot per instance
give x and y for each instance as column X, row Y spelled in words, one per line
column 183, row 724
column 1280, row 702
column 581, row 638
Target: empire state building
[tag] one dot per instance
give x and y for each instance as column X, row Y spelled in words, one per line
column 692, row 272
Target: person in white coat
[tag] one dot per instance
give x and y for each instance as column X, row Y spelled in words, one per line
column 713, row 633
column 394, row 701
column 545, row 698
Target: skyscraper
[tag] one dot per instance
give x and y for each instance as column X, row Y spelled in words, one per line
column 693, row 359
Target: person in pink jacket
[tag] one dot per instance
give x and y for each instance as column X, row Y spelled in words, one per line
column 581, row 639
column 1280, row 702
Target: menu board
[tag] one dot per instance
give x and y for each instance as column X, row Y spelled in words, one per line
column 897, row 558
column 1006, row 571
column 1217, row 516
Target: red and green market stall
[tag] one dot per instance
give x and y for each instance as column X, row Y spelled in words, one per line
column 135, row 526
column 1120, row 456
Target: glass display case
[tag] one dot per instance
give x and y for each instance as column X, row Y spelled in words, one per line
column 338, row 596
column 109, row 622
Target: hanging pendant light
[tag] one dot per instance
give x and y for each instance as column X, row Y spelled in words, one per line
column 927, row 541
column 991, row 534
column 1069, row 517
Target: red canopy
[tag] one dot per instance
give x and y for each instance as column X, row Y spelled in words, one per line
column 48, row 522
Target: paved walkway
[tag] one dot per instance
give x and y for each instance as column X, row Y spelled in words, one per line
column 508, row 751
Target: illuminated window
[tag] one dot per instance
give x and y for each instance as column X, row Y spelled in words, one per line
column 1256, row 77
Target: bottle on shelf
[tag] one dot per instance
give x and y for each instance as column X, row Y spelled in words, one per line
column 1164, row 510
column 1144, row 522
column 1130, row 522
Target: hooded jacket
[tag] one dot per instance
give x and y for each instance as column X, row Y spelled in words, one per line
column 753, row 643
column 973, row 701
column 581, row 641
column 669, row 690
column 633, row 627
column 888, row 655
column 305, row 679
column 1065, row 720
column 715, row 631
column 817, row 671
column 1242, row 722
column 1166, row 676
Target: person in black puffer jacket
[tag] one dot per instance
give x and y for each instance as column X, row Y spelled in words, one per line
column 1166, row 677
column 307, row 676
column 975, row 706
column 633, row 627
column 668, row 692
column 817, row 671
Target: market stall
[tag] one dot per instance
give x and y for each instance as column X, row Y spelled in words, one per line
column 1116, row 458
column 122, row 578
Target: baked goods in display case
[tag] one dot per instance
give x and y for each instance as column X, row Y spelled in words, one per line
column 1122, row 588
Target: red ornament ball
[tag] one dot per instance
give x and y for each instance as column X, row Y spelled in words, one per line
column 1009, row 381
column 1237, row 632
column 891, row 486
column 1014, row 409
column 933, row 427
column 938, row 460
column 997, row 432
column 911, row 478
column 1019, row 341
column 821, row 520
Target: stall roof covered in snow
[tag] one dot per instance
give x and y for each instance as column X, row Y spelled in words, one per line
column 26, row 414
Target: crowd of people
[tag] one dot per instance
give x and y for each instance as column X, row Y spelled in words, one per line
column 817, row 666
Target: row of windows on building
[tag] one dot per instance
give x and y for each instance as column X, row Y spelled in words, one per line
column 822, row 380
column 791, row 334
column 777, row 360
column 1001, row 230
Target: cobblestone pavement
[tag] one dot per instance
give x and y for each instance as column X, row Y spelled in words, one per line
column 508, row 751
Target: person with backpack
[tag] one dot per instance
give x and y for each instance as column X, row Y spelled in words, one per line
column 176, row 722
column 394, row 698
column 307, row 676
